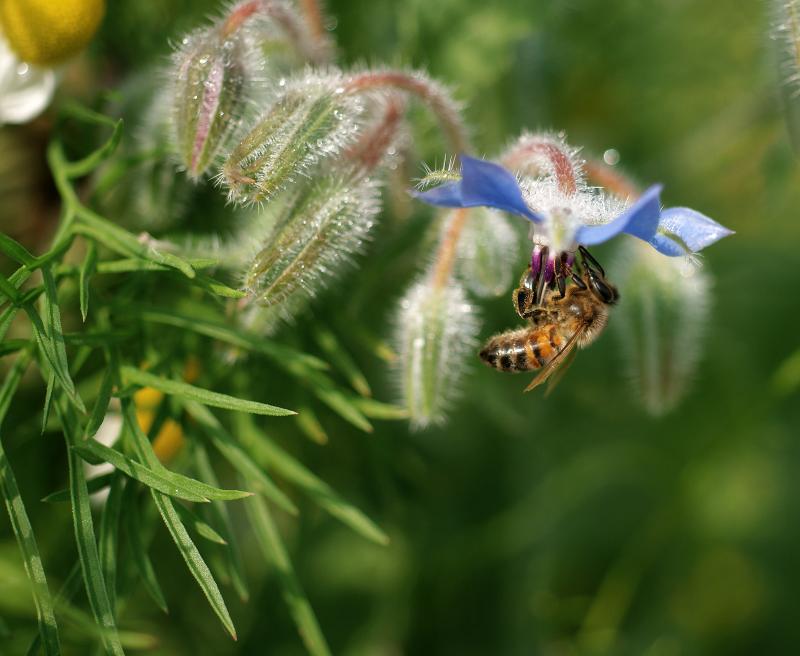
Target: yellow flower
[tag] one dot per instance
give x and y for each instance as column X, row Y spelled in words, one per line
column 46, row 32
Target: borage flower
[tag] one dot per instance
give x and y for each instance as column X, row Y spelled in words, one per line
column 567, row 216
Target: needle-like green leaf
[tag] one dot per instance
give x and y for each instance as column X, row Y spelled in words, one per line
column 238, row 458
column 108, row 539
column 269, row 455
column 221, row 516
column 87, row 270
column 96, row 589
column 194, row 561
column 21, row 525
column 137, row 549
column 271, row 546
column 206, row 397
column 158, row 477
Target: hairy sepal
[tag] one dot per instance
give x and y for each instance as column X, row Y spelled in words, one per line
column 315, row 232
column 488, row 253
column 435, row 335
column 660, row 320
column 311, row 120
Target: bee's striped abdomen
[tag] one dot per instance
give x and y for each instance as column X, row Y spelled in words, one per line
column 521, row 350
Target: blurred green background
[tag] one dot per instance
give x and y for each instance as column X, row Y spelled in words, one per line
column 576, row 524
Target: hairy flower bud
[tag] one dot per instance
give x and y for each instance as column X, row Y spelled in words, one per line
column 488, row 253
column 786, row 33
column 311, row 120
column 315, row 231
column 212, row 71
column 436, row 332
column 660, row 320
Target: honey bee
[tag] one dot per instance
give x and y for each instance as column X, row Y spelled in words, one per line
column 560, row 319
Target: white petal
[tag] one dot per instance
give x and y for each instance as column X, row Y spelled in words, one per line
column 25, row 90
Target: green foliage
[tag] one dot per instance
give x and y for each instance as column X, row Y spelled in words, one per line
column 575, row 524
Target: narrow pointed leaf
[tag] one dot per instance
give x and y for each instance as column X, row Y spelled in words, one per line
column 87, row 270
column 138, row 551
column 271, row 456
column 100, row 408
column 274, row 552
column 297, row 362
column 238, row 458
column 92, row 485
column 158, row 478
column 342, row 360
column 206, row 397
column 14, row 250
column 94, row 582
column 194, row 561
column 108, row 539
column 221, row 516
column 200, row 527
column 50, row 338
column 21, row 525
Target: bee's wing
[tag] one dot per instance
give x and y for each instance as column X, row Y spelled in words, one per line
column 555, row 379
column 558, row 360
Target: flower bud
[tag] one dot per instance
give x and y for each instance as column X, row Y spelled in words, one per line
column 435, row 334
column 316, row 229
column 488, row 253
column 660, row 320
column 213, row 72
column 311, row 120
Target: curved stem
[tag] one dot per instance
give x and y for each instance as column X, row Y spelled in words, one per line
column 430, row 93
column 302, row 35
column 315, row 19
column 446, row 255
column 617, row 183
column 526, row 155
column 372, row 146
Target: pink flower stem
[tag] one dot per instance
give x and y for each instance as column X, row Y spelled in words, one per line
column 429, row 93
column 525, row 156
column 603, row 175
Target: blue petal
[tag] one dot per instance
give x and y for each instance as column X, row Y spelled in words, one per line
column 690, row 227
column 446, row 195
column 488, row 184
column 639, row 220
column 667, row 246
column 482, row 184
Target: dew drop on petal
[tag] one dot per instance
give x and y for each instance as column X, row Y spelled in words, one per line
column 611, row 156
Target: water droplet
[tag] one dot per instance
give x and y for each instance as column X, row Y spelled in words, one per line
column 23, row 69
column 611, row 156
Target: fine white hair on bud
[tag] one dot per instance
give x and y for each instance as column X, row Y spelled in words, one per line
column 786, row 33
column 660, row 321
column 488, row 252
column 311, row 120
column 212, row 81
column 315, row 231
column 435, row 334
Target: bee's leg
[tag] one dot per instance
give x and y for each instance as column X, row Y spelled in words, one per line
column 562, row 268
column 523, row 295
column 540, row 278
column 590, row 262
column 577, row 275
